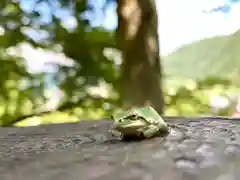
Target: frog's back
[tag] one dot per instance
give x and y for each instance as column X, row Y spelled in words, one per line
column 150, row 114
column 147, row 112
column 122, row 114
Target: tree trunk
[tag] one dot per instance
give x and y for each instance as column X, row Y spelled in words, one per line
column 137, row 37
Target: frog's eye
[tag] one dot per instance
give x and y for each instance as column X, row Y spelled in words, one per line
column 134, row 116
column 120, row 120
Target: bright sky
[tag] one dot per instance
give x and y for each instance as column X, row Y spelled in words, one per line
column 180, row 22
column 183, row 21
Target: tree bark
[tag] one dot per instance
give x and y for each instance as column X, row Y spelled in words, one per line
column 137, row 37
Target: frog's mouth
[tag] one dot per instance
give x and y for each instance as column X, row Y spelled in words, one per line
column 130, row 125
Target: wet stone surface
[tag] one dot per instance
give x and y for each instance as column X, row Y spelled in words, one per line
column 203, row 148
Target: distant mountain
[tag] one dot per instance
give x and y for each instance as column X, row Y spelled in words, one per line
column 216, row 56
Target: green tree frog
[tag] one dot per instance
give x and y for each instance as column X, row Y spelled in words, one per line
column 143, row 122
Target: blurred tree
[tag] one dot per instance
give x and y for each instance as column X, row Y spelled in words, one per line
column 137, row 38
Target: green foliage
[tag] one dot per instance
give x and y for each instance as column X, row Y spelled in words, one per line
column 217, row 56
column 82, row 43
column 194, row 96
column 203, row 68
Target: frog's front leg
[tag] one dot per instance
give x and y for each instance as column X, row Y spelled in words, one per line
column 150, row 132
column 155, row 130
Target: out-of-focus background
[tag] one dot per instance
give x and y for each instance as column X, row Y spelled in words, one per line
column 65, row 61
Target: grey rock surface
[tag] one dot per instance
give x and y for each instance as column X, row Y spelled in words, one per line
column 204, row 148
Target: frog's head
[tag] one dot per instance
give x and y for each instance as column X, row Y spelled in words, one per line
column 129, row 122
